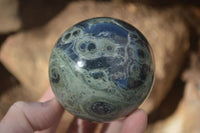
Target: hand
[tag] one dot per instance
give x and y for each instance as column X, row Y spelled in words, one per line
column 44, row 117
column 26, row 117
column 134, row 123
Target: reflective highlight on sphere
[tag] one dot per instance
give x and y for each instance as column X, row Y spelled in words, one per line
column 101, row 69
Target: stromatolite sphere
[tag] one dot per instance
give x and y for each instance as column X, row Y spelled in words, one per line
column 101, row 69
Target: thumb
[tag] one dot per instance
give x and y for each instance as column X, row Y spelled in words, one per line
column 24, row 117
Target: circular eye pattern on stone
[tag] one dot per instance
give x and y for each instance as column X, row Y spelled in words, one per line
column 102, row 108
column 91, row 47
column 141, row 53
column 67, row 36
column 55, row 77
column 82, row 47
column 76, row 33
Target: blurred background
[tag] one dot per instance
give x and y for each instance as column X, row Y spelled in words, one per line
column 30, row 28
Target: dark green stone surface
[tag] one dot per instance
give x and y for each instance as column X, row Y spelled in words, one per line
column 101, row 69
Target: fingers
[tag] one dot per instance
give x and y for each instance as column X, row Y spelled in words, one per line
column 47, row 96
column 114, row 127
column 25, row 117
column 135, row 123
column 80, row 126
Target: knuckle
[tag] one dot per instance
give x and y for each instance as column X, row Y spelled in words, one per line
column 19, row 105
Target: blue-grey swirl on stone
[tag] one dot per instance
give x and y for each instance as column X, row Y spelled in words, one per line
column 101, row 69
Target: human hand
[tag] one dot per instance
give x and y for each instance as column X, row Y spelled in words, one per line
column 134, row 123
column 44, row 117
column 27, row 117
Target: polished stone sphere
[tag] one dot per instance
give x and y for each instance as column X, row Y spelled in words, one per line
column 101, row 69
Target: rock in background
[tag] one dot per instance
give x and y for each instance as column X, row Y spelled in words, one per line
column 186, row 118
column 9, row 17
column 25, row 54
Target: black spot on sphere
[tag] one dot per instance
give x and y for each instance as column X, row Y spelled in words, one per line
column 121, row 51
column 82, row 47
column 143, row 43
column 76, row 33
column 135, row 84
column 109, row 48
column 145, row 67
column 144, row 71
column 139, row 41
column 102, row 108
column 141, row 53
column 55, row 77
column 97, row 75
column 67, row 36
column 134, row 36
column 91, row 46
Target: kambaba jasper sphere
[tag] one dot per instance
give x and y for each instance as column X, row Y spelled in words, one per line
column 101, row 69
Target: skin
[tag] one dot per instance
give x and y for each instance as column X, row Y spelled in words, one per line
column 44, row 117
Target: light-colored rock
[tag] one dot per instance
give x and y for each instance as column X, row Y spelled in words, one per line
column 9, row 17
column 186, row 118
column 26, row 54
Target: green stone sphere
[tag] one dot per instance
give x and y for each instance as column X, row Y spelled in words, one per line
column 101, row 69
